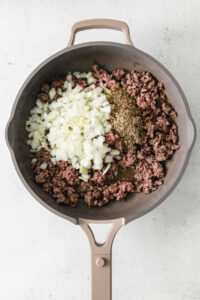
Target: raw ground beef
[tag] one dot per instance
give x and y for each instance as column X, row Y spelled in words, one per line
column 147, row 158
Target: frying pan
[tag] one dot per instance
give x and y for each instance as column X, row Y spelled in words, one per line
column 81, row 58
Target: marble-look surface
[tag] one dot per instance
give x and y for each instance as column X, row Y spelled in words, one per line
column 45, row 257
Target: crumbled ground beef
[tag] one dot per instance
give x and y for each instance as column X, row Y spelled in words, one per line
column 44, row 97
column 58, row 83
column 147, row 158
column 62, row 182
column 45, row 88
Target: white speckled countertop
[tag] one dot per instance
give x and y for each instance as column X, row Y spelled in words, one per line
column 45, row 257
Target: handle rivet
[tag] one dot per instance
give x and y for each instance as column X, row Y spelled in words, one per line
column 100, row 262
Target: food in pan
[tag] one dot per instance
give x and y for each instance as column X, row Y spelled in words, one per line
column 98, row 136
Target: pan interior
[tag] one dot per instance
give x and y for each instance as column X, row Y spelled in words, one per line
column 81, row 58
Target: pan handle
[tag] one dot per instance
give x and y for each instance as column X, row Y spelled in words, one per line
column 100, row 23
column 101, row 258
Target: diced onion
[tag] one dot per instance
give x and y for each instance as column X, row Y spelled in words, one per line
column 109, row 159
column 83, row 171
column 118, row 157
column 34, row 160
column 106, row 91
column 53, row 160
column 60, row 92
column 52, row 93
column 114, row 152
column 73, row 127
column 106, row 169
column 43, row 166
column 91, row 80
column 84, row 177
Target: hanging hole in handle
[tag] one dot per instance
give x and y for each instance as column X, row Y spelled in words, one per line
column 100, row 231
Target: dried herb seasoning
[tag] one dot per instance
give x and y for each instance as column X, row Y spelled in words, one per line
column 126, row 117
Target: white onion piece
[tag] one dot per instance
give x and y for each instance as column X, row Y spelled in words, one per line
column 108, row 159
column 91, row 80
column 114, row 152
column 118, row 157
column 60, row 92
column 115, row 172
column 34, row 160
column 106, row 169
column 53, row 160
column 69, row 77
column 43, row 166
column 52, row 93
column 84, row 177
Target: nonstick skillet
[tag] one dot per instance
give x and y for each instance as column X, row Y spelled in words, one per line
column 111, row 56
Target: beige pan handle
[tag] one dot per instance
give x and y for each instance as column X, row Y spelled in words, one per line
column 100, row 23
column 101, row 258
